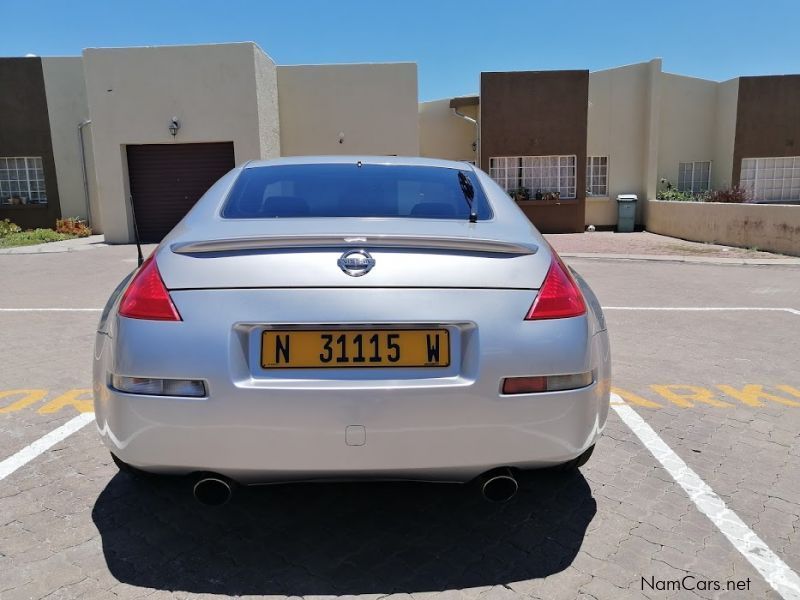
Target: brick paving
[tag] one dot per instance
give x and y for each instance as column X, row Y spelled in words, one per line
column 646, row 243
column 89, row 532
column 71, row 526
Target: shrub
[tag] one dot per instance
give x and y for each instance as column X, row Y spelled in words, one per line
column 734, row 195
column 667, row 192
column 33, row 236
column 73, row 226
column 7, row 228
column 729, row 195
column 677, row 195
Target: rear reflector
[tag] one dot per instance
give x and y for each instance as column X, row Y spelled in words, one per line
column 524, row 385
column 551, row 383
column 147, row 296
column 559, row 297
column 159, row 387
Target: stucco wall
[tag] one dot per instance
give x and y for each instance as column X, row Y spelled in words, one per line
column 134, row 92
column 374, row 106
column 67, row 107
column 688, row 118
column 443, row 134
column 773, row 228
column 725, row 134
column 538, row 113
column 617, row 123
column 652, row 132
column 25, row 131
column 767, row 118
column 267, row 98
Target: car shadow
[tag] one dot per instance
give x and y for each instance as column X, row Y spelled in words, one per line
column 334, row 539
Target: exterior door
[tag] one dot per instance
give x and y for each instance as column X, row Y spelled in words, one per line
column 167, row 179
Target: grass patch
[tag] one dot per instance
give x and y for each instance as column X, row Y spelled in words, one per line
column 33, row 236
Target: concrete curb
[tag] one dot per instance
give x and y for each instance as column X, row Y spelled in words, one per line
column 74, row 245
column 703, row 260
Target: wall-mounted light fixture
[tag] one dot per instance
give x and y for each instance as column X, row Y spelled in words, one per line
column 341, row 137
column 173, row 127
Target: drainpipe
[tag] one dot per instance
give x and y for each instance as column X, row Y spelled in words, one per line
column 81, row 125
column 477, row 135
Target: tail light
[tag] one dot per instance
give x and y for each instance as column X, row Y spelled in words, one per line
column 147, row 296
column 550, row 383
column 559, row 296
column 159, row 387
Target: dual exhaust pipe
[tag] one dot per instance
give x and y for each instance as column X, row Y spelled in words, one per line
column 212, row 490
column 497, row 485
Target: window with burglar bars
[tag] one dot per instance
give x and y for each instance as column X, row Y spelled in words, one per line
column 597, row 176
column 535, row 174
column 694, row 176
column 22, row 180
column 773, row 179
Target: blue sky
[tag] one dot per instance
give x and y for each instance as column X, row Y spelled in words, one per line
column 452, row 42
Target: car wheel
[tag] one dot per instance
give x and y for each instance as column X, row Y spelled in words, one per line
column 578, row 462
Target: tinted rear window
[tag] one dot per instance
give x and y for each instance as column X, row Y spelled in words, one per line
column 347, row 190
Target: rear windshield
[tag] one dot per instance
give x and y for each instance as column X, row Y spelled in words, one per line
column 349, row 190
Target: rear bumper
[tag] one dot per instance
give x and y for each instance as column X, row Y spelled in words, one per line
column 260, row 444
column 411, row 426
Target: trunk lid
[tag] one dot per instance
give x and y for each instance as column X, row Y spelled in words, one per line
column 306, row 253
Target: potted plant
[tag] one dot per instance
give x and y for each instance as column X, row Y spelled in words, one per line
column 552, row 196
column 521, row 194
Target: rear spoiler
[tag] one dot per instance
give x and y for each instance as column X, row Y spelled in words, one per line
column 282, row 242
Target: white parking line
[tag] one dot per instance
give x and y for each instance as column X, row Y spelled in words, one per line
column 776, row 572
column 793, row 311
column 44, row 443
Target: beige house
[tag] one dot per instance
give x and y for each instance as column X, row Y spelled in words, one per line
column 148, row 130
column 223, row 93
column 443, row 133
column 644, row 127
column 230, row 104
column 348, row 109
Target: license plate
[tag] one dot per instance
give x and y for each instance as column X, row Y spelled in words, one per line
column 354, row 348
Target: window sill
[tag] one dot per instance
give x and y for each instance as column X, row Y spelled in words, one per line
column 22, row 206
column 598, row 198
column 547, row 202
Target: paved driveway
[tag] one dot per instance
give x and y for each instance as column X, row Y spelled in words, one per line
column 719, row 389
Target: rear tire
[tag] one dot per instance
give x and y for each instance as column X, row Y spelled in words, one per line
column 577, row 462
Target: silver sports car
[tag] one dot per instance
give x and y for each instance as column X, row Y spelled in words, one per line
column 320, row 318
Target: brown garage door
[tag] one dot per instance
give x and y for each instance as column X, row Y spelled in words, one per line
column 167, row 179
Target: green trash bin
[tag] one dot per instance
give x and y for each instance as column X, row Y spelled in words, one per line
column 626, row 212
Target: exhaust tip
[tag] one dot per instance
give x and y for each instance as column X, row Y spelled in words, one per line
column 499, row 485
column 212, row 491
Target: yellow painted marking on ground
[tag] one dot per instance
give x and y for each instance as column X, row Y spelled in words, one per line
column 687, row 395
column 752, row 395
column 28, row 397
column 789, row 390
column 70, row 398
column 632, row 398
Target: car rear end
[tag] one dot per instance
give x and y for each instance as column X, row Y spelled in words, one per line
column 244, row 347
